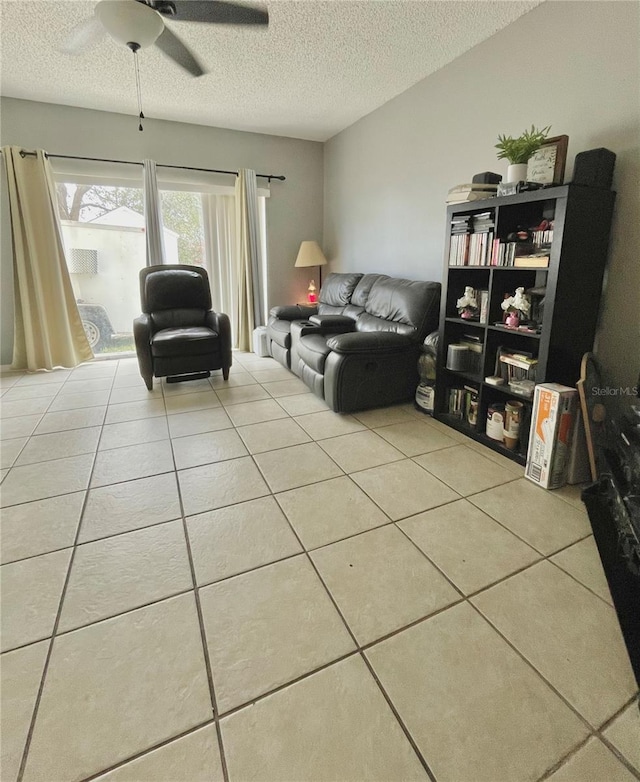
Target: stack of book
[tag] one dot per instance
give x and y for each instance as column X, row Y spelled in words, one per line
column 524, row 255
column 474, row 191
column 471, row 239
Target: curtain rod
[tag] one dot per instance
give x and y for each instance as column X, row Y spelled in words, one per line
column 24, row 153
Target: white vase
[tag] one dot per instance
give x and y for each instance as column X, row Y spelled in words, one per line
column 517, row 172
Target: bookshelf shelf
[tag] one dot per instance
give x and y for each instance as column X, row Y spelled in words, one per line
column 579, row 219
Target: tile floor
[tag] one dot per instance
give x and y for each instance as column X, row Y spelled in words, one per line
column 228, row 581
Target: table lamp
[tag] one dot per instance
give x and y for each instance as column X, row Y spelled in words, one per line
column 310, row 254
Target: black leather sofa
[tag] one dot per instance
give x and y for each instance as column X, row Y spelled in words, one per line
column 359, row 347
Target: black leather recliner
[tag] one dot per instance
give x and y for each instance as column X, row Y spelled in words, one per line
column 178, row 333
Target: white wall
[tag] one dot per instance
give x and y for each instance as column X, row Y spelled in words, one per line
column 294, row 210
column 571, row 65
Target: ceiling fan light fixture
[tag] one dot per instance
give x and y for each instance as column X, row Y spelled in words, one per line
column 128, row 21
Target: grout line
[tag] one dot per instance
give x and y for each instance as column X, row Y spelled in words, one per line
column 45, row 670
column 201, row 624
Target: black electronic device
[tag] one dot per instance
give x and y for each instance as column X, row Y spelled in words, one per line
column 594, row 168
column 486, row 178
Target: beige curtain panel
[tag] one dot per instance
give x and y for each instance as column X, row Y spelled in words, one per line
column 248, row 255
column 48, row 329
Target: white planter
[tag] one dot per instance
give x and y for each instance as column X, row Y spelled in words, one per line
column 517, row 172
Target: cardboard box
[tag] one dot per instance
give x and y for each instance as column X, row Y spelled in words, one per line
column 554, row 409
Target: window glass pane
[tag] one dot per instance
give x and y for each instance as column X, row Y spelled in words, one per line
column 105, row 247
column 184, row 234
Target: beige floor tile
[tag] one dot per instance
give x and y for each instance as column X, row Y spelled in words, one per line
column 187, row 403
column 186, row 387
column 360, row 450
column 39, row 527
column 33, row 378
column 498, row 458
column 3, row 474
column 281, row 388
column 31, row 592
column 127, row 571
column 385, row 416
column 252, row 363
column 59, row 445
column 21, row 672
column 87, row 386
column 146, row 674
column 328, row 424
column 130, row 505
column 270, row 435
column 44, row 391
column 126, row 379
column 415, row 437
column 241, row 394
column 135, row 393
column 198, row 422
column 301, row 404
column 572, row 637
column 240, row 537
column 624, row 734
column 134, row 461
column 236, row 378
column 593, row 763
column 454, row 434
column 206, row 448
column 298, row 465
column 272, row 375
column 144, row 430
column 471, row 548
column 330, row 510
column 255, row 412
column 71, row 419
column 79, row 401
column 571, row 493
column 21, row 407
column 10, row 450
column 267, row 627
column 475, row 709
column 213, row 486
column 403, row 489
column 132, row 411
column 583, row 562
column 537, row 516
column 20, row 426
column 464, row 470
column 334, row 725
column 381, row 582
column 31, row 482
column 193, row 758
column 97, row 368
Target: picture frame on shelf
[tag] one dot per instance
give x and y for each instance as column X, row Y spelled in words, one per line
column 547, row 165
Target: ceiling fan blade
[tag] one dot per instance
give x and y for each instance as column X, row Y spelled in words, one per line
column 217, row 12
column 83, row 36
column 173, row 47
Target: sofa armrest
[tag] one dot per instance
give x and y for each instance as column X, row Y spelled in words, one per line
column 334, row 324
column 293, row 312
column 370, row 342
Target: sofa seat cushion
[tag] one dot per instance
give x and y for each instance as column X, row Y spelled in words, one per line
column 280, row 332
column 313, row 351
column 193, row 341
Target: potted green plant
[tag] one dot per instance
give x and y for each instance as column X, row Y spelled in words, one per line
column 518, row 151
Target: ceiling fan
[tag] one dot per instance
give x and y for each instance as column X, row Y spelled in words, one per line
column 142, row 23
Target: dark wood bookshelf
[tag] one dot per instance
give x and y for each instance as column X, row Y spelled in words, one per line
column 573, row 282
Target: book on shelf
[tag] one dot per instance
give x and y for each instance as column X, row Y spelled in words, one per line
column 531, row 262
column 482, row 298
column 475, row 191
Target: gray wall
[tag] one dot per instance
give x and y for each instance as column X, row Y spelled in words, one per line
column 294, row 210
column 571, row 65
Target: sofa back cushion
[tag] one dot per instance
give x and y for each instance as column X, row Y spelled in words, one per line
column 336, row 293
column 402, row 306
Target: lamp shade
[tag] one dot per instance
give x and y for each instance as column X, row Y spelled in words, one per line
column 130, row 22
column 310, row 254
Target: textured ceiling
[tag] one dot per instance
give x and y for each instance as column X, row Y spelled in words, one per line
column 318, row 68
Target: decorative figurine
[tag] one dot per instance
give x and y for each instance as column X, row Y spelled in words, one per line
column 468, row 304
